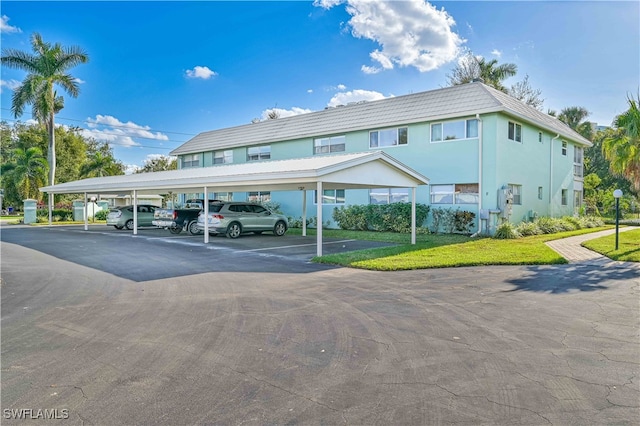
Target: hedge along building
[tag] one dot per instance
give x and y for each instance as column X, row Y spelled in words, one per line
column 484, row 152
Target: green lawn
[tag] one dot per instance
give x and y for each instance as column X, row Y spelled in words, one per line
column 628, row 246
column 441, row 251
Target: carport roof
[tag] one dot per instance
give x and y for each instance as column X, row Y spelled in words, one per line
column 374, row 169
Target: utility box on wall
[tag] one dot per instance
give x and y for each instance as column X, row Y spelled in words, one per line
column 505, row 202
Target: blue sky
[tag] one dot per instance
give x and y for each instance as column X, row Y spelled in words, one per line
column 161, row 72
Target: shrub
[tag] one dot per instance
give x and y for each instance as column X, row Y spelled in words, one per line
column 526, row 229
column 394, row 217
column 54, row 212
column 101, row 215
column 296, row 222
column 462, row 221
column 548, row 225
column 506, row 231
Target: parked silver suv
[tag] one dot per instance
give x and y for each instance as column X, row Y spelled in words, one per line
column 234, row 218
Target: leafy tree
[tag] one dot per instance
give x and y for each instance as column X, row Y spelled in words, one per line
column 622, row 148
column 158, row 164
column 100, row 162
column 471, row 67
column 523, row 91
column 46, row 68
column 25, row 172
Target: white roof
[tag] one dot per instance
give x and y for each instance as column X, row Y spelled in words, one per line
column 373, row 169
column 441, row 104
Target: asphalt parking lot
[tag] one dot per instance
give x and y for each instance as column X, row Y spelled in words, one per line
column 229, row 336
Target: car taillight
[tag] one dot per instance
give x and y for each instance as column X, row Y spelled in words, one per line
column 217, row 216
column 175, row 215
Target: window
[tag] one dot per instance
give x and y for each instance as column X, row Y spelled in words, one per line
column 454, row 130
column 577, row 162
column 577, row 200
column 327, row 145
column 223, row 157
column 388, row 195
column 192, row 160
column 462, row 193
column 515, row 132
column 563, row 201
column 564, row 148
column 388, row 137
column 540, row 137
column 539, row 193
column 256, row 153
column 330, row 196
column 222, row 196
column 516, row 190
column 259, row 197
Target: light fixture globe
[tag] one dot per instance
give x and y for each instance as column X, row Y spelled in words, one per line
column 617, row 193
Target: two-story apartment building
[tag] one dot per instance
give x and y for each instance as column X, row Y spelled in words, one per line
column 482, row 150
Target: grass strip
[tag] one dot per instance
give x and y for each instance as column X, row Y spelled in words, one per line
column 443, row 251
column 628, row 246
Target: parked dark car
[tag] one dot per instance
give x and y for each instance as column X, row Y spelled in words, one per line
column 122, row 217
column 234, row 218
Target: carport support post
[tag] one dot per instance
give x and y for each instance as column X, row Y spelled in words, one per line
column 413, row 215
column 50, row 208
column 304, row 212
column 206, row 215
column 86, row 213
column 319, row 216
column 135, row 212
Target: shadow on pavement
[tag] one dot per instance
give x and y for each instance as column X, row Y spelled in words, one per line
column 568, row 278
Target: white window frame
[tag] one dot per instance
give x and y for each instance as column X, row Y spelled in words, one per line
column 540, row 193
column 564, row 197
column 259, row 196
column 258, row 153
column 516, row 191
column 331, row 196
column 390, row 195
column 442, row 124
column 190, row 160
column 226, row 156
column 329, row 144
column 564, row 148
column 398, row 141
column 517, row 132
column 453, row 191
column 578, row 162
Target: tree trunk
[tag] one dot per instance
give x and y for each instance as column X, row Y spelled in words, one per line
column 52, row 150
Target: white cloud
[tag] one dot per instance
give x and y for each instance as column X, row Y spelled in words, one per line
column 410, row 33
column 283, row 113
column 109, row 129
column 6, row 28
column 357, row 95
column 9, row 84
column 201, row 72
column 309, row 90
column 496, row 52
column 130, row 169
column 341, row 87
column 79, row 81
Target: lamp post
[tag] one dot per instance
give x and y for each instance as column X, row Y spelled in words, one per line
column 617, row 194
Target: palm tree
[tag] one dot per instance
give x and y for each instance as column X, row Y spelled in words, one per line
column 623, row 148
column 100, row 165
column 27, row 171
column 46, row 68
column 472, row 67
column 575, row 117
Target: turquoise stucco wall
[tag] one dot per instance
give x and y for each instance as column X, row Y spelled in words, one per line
column 453, row 162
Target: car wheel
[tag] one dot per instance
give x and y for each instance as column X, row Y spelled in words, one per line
column 129, row 224
column 117, row 226
column 193, row 228
column 175, row 229
column 234, row 230
column 280, row 229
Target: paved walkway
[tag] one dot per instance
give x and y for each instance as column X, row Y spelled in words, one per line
column 571, row 249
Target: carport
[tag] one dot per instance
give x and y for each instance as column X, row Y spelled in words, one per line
column 365, row 170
